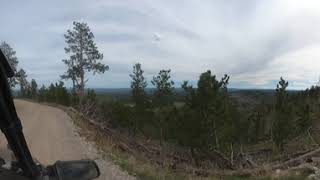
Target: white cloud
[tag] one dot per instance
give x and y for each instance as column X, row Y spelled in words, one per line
column 255, row 42
column 301, row 67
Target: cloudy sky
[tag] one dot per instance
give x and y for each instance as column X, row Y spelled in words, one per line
column 255, row 42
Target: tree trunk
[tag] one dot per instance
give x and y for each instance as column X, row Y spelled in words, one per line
column 231, row 154
column 81, row 88
column 134, row 126
column 161, row 135
column 81, row 71
column 73, row 77
column 217, row 140
column 194, row 157
column 73, row 85
column 215, row 134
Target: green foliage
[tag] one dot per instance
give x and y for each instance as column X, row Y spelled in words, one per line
column 281, row 129
column 305, row 107
column 55, row 93
column 42, row 94
column 61, row 94
column 211, row 107
column 84, row 56
column 91, row 95
column 304, row 118
column 189, row 131
column 208, row 121
column 138, row 85
column 12, row 59
column 254, row 127
column 34, row 89
column 121, row 115
column 139, row 97
column 164, row 89
column 25, row 89
column 51, row 96
column 163, row 100
column 74, row 98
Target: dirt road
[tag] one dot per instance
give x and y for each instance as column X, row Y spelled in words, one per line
column 51, row 136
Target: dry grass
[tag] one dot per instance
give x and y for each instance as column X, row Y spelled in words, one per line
column 106, row 146
column 144, row 169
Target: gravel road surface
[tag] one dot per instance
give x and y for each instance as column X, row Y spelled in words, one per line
column 52, row 136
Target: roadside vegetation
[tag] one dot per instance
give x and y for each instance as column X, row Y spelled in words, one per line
column 210, row 133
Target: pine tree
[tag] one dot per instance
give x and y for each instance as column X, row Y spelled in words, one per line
column 281, row 126
column 51, row 96
column 139, row 96
column 305, row 119
column 211, row 96
column 25, row 88
column 61, row 94
column 164, row 91
column 210, row 104
column 12, row 59
column 84, row 56
column 42, row 94
column 163, row 99
column 34, row 89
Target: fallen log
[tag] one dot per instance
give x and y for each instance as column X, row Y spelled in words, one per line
column 219, row 159
column 123, row 147
column 297, row 161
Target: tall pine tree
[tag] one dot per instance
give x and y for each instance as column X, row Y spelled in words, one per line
column 84, row 56
column 163, row 99
column 281, row 126
column 139, row 96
